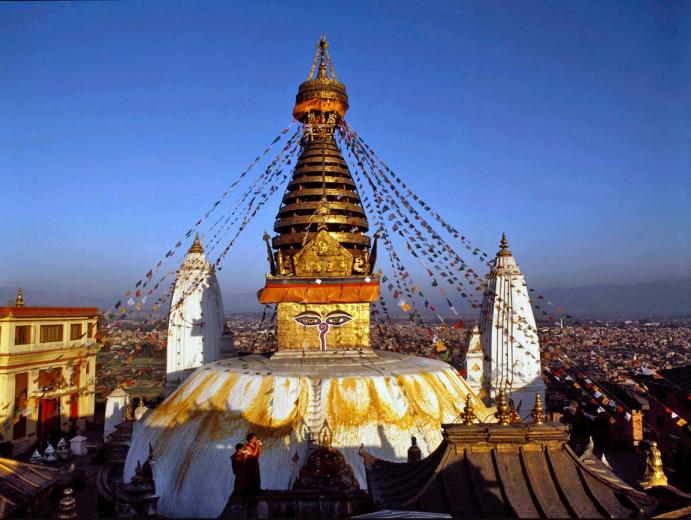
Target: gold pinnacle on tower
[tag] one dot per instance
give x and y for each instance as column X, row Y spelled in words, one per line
column 504, row 246
column 538, row 413
column 503, row 416
column 19, row 301
column 321, row 271
column 196, row 246
column 468, row 414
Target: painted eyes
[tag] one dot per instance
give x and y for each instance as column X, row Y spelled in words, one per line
column 308, row 319
column 312, row 319
column 338, row 319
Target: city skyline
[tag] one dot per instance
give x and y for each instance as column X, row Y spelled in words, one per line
column 566, row 137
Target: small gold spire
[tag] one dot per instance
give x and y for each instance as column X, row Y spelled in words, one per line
column 538, row 413
column 504, row 246
column 321, row 72
column 654, row 472
column 196, row 246
column 19, row 302
column 129, row 415
column 67, row 508
column 503, row 416
column 468, row 414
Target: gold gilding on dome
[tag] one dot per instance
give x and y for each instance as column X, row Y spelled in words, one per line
column 196, row 246
column 323, row 255
column 323, row 327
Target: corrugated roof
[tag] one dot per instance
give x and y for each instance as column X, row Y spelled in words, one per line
column 21, row 482
column 517, row 470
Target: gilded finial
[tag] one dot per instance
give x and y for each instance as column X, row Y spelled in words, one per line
column 129, row 415
column 504, row 246
column 654, row 472
column 321, row 94
column 503, row 416
column 67, row 508
column 19, row 302
column 196, row 246
column 468, row 414
column 538, row 413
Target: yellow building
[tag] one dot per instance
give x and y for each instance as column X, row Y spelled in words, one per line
column 47, row 371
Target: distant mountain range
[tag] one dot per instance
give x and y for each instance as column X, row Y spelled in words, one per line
column 660, row 299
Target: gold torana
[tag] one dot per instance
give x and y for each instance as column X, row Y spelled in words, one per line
column 320, row 258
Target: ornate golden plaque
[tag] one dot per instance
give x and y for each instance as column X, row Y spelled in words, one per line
column 323, row 255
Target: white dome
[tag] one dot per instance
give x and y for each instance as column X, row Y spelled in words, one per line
column 378, row 399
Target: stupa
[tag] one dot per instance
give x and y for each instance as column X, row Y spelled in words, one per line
column 325, row 387
column 509, row 334
column 195, row 321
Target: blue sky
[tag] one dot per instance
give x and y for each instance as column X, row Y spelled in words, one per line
column 566, row 124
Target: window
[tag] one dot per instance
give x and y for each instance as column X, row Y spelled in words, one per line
column 51, row 333
column 22, row 335
column 90, row 330
column 76, row 331
column 51, row 379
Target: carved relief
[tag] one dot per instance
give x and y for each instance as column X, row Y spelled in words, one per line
column 323, row 256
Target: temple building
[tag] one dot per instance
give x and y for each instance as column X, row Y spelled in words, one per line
column 47, row 371
column 514, row 469
column 509, row 335
column 195, row 321
column 325, row 391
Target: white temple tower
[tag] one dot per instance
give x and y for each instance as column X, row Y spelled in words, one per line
column 195, row 325
column 475, row 360
column 509, row 335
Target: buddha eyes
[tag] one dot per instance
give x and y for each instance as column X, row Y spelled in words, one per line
column 312, row 319
column 338, row 319
column 308, row 319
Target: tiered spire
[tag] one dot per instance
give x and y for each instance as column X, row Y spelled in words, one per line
column 504, row 246
column 322, row 194
column 196, row 246
column 19, row 301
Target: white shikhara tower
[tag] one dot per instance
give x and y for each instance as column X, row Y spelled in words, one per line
column 509, row 335
column 194, row 326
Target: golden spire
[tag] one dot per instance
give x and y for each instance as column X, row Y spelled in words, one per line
column 67, row 508
column 19, row 302
column 654, row 472
column 322, row 195
column 538, row 413
column 503, row 411
column 196, row 246
column 322, row 94
column 504, row 246
column 468, row 414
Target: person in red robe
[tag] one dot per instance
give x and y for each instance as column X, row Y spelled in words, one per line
column 239, row 465
column 252, row 451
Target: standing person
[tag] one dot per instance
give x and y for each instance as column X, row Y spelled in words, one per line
column 239, row 465
column 252, row 452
